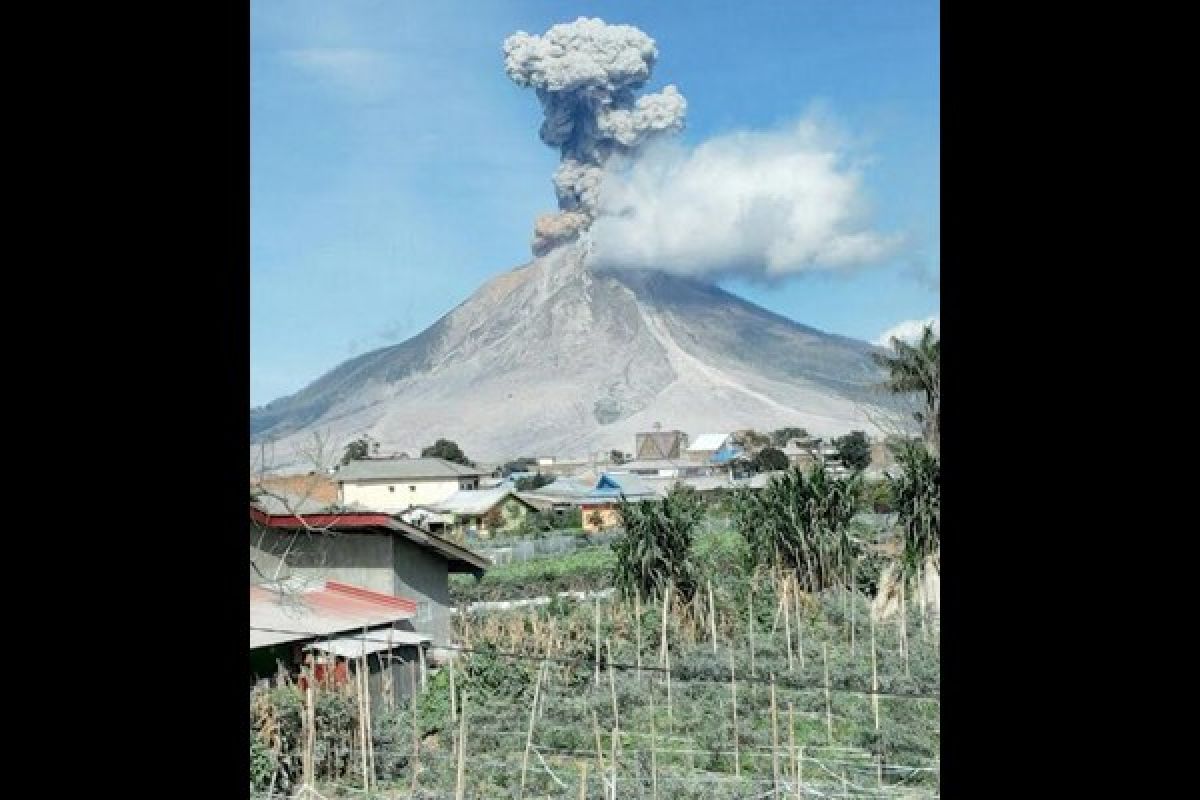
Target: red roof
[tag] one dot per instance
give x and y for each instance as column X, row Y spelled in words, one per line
column 349, row 519
column 325, row 609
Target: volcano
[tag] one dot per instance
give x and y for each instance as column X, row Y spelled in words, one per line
column 553, row 358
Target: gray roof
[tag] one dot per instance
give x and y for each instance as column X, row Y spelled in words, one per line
column 382, row 469
column 276, row 502
column 474, row 501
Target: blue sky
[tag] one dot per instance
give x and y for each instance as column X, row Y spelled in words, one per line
column 394, row 166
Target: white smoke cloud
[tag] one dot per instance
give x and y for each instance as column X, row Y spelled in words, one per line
column 909, row 330
column 765, row 204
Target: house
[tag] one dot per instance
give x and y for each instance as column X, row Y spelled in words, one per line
column 396, row 484
column 479, row 512
column 327, row 626
column 804, row 453
column 659, row 444
column 316, row 486
column 599, row 502
column 368, row 549
column 714, row 448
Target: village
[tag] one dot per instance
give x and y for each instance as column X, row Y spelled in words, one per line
column 366, row 550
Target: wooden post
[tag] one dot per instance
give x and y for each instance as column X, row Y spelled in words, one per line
column 529, row 736
column 774, row 742
column 853, row 603
column 712, row 618
column 737, row 761
column 904, row 628
column 460, row 784
column 828, row 701
column 583, row 781
column 787, row 625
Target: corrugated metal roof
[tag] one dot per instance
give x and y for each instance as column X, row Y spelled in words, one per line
column 374, row 521
column 382, row 469
column 473, row 501
column 327, row 608
column 708, row 441
column 378, row 641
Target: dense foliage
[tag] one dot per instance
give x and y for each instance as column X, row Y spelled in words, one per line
column 854, row 450
column 782, row 436
column 917, row 368
column 917, row 494
column 448, row 450
column 801, row 521
column 533, row 482
column 656, row 548
column 770, row 459
column 356, row 451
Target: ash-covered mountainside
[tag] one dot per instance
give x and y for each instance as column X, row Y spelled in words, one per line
column 552, row 358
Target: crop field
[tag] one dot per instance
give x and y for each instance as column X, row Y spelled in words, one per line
column 761, row 691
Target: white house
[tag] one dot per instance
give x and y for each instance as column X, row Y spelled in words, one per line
column 397, row 484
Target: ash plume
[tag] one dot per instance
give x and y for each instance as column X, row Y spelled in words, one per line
column 585, row 74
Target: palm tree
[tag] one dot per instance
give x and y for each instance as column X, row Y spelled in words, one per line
column 917, row 368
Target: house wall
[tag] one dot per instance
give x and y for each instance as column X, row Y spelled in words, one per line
column 425, row 578
column 361, row 559
column 401, row 493
column 610, row 517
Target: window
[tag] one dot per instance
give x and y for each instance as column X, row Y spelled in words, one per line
column 391, row 488
column 412, row 488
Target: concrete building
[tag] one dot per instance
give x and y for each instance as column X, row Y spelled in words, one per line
column 393, row 485
column 713, row 448
column 367, row 549
column 478, row 512
column 661, row 468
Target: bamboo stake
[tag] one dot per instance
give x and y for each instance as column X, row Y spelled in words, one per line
column 537, row 686
column 416, row 730
column 828, row 701
column 309, row 719
column 614, row 763
column 362, row 716
column 799, row 622
column 460, row 784
column 904, row 630
column 737, row 762
column 787, row 626
column 666, row 656
column 653, row 749
column 453, row 694
column 750, row 626
column 853, row 604
column 875, row 705
column 597, row 604
column 599, row 751
column 637, row 625
column 800, row 773
column 583, row 781
column 370, row 727
column 774, row 742
column 712, row 618
column 792, row 746
column 612, row 682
